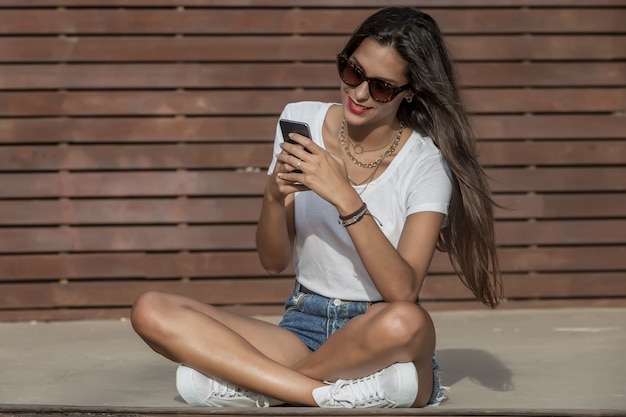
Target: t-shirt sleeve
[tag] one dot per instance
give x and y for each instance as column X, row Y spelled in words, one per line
column 432, row 186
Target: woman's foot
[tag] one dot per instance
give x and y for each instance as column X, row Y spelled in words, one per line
column 200, row 390
column 392, row 387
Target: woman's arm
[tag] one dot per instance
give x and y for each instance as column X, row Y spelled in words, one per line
column 275, row 231
column 398, row 274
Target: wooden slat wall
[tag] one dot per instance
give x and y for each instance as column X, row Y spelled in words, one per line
column 135, row 134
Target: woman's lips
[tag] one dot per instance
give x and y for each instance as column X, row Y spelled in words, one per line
column 355, row 108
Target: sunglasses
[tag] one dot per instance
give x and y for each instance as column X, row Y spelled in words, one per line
column 352, row 75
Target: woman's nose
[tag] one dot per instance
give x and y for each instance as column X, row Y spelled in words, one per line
column 362, row 91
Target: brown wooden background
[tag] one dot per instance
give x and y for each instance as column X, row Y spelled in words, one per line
column 134, row 137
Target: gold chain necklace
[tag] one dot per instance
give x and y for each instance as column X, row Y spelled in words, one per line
column 359, row 149
column 380, row 159
column 366, row 180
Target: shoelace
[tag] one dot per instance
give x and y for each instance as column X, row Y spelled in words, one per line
column 225, row 390
column 359, row 392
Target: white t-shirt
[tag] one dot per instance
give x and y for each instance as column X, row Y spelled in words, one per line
column 325, row 259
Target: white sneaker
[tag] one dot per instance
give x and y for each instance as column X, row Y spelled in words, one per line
column 392, row 387
column 200, row 390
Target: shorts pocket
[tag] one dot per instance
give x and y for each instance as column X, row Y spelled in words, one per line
column 293, row 301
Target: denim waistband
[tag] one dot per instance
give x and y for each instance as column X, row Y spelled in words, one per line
column 309, row 302
column 301, row 288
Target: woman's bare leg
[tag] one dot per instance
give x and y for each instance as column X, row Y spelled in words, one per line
column 270, row 360
column 387, row 333
column 246, row 352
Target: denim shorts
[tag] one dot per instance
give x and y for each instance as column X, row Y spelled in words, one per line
column 313, row 318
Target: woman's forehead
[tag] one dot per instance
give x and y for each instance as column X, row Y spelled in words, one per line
column 380, row 61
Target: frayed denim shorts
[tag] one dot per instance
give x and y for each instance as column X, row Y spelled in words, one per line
column 313, row 318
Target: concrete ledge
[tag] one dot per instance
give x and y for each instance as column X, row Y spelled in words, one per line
column 503, row 362
column 69, row 411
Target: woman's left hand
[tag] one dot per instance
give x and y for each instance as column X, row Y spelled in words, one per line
column 323, row 173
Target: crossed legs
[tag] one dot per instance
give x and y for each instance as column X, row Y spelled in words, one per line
column 268, row 359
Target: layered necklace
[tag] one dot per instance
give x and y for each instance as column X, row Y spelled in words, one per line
column 359, row 150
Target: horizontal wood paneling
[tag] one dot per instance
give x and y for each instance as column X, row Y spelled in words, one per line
column 131, row 211
column 124, row 157
column 274, row 291
column 279, row 75
column 247, row 209
column 313, row 3
column 250, row 21
column 135, row 103
column 224, row 156
column 553, row 126
column 202, row 48
column 242, row 237
column 81, row 266
column 248, row 129
column 135, row 136
column 201, row 183
column 132, row 184
column 241, row 264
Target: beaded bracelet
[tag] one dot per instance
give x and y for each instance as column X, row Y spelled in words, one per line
column 353, row 218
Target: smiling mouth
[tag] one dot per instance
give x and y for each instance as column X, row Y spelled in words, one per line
column 357, row 107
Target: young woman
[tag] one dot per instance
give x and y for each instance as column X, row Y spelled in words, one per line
column 388, row 176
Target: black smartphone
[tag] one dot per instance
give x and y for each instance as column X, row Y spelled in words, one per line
column 292, row 126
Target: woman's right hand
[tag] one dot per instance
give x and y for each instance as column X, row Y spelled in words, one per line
column 278, row 187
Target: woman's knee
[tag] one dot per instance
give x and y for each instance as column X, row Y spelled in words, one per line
column 148, row 312
column 404, row 324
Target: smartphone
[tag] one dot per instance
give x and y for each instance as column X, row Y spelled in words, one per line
column 292, row 126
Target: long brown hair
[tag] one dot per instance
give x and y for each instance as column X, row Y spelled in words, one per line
column 436, row 111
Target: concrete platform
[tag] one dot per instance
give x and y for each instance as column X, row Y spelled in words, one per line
column 524, row 361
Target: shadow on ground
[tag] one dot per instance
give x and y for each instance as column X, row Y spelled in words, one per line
column 480, row 366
